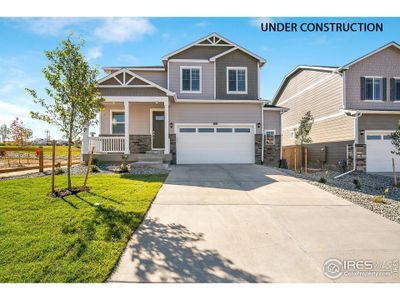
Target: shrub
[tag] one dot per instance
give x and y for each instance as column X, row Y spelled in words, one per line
column 357, row 184
column 322, row 180
column 58, row 169
column 123, row 168
column 342, row 165
column 94, row 169
column 2, row 144
column 378, row 199
column 95, row 161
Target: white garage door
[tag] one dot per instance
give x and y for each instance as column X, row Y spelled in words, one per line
column 379, row 158
column 214, row 144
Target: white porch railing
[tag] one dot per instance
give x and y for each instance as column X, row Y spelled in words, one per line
column 107, row 144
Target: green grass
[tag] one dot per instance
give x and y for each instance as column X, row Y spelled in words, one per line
column 45, row 239
column 60, row 150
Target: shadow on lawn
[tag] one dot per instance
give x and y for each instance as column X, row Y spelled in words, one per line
column 171, row 251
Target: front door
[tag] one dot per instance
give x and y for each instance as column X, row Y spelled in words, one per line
column 158, row 130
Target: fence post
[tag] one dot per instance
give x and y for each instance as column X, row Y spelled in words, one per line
column 295, row 158
column 41, row 163
column 53, row 161
column 305, row 160
column 394, row 173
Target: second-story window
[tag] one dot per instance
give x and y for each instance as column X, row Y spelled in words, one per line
column 190, row 79
column 236, row 80
column 395, row 89
column 373, row 88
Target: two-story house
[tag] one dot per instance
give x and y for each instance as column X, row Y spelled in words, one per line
column 202, row 105
column 355, row 108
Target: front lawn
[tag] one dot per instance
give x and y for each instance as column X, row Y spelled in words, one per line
column 75, row 239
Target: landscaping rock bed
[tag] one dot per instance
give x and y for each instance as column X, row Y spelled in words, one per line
column 103, row 168
column 370, row 185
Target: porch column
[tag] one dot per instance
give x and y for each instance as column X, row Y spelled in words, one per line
column 126, row 111
column 85, row 142
column 166, row 126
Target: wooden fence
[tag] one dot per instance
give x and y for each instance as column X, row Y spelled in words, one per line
column 294, row 156
column 14, row 159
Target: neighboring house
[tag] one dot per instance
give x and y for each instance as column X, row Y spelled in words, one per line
column 202, row 105
column 357, row 104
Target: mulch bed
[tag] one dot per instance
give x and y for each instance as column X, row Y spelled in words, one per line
column 67, row 192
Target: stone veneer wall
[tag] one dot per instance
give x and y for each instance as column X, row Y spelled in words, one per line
column 361, row 157
column 258, row 148
column 272, row 153
column 139, row 143
column 172, row 142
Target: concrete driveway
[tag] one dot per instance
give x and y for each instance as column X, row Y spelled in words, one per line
column 249, row 223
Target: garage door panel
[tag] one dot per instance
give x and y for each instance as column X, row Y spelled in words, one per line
column 379, row 156
column 217, row 147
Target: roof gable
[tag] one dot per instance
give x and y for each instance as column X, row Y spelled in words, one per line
column 215, row 40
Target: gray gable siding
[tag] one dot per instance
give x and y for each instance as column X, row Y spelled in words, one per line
column 200, row 52
column 139, row 92
column 237, row 58
column 385, row 63
column 158, row 77
column 207, row 80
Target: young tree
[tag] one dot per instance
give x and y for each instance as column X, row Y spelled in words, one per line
column 19, row 132
column 302, row 133
column 73, row 89
column 4, row 132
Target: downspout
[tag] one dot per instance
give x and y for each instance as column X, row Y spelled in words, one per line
column 356, row 116
column 262, row 133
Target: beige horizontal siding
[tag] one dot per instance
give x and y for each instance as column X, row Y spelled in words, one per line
column 209, row 113
column 272, row 121
column 301, row 80
column 331, row 130
column 322, row 100
column 139, row 117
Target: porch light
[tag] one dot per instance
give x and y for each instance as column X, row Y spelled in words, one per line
column 171, row 125
column 258, row 125
column 362, row 132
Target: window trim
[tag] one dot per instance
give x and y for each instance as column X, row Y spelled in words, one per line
column 373, row 89
column 265, row 134
column 395, row 94
column 227, row 81
column 181, row 68
column 112, row 123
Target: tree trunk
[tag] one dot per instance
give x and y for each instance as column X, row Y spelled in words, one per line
column 69, row 163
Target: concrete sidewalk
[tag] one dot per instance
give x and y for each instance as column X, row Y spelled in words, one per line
column 248, row 223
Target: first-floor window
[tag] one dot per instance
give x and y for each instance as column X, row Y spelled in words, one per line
column 237, row 80
column 292, row 135
column 117, row 122
column 396, row 89
column 373, row 88
column 270, row 137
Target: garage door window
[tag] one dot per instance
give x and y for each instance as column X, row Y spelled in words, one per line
column 187, row 130
column 387, row 137
column 206, row 130
column 242, row 130
column 224, row 130
column 373, row 137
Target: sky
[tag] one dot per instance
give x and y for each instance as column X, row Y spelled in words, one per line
column 143, row 41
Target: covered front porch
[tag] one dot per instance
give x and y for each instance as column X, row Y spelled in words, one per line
column 134, row 120
column 135, row 126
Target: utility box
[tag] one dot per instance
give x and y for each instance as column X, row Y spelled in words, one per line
column 322, row 154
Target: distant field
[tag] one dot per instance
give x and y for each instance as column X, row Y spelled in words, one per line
column 60, row 150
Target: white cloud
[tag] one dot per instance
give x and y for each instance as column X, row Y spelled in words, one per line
column 8, row 112
column 49, row 26
column 201, row 24
column 119, row 30
column 94, row 53
column 256, row 22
